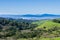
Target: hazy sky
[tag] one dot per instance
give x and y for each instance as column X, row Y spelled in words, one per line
column 29, row 6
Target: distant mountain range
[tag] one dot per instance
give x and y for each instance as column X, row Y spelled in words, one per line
column 43, row 15
column 32, row 16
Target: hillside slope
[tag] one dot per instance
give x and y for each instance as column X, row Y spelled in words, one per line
column 47, row 24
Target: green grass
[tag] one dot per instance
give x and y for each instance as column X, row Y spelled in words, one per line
column 56, row 38
column 47, row 23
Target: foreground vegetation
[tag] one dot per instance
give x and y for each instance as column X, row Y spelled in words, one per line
column 19, row 29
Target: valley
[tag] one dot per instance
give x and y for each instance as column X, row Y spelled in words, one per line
column 23, row 29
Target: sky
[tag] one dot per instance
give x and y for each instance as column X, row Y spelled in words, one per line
column 29, row 6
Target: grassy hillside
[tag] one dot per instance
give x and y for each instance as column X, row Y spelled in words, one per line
column 49, row 24
column 46, row 23
column 57, row 38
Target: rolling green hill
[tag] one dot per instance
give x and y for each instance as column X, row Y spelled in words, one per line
column 46, row 23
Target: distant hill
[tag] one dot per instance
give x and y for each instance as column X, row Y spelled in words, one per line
column 43, row 15
column 32, row 16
